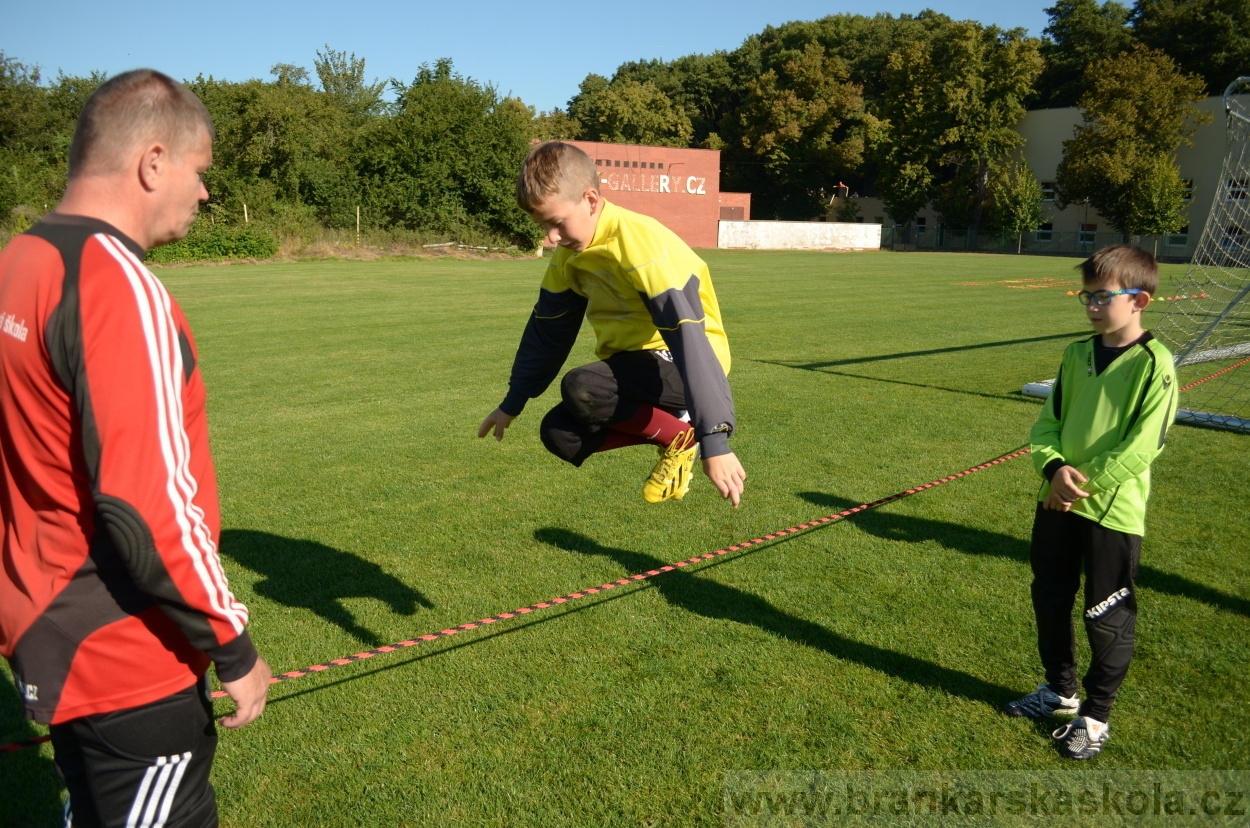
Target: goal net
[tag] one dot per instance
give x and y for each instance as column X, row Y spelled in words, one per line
column 1207, row 324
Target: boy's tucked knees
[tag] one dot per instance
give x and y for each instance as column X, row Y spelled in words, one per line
column 566, row 437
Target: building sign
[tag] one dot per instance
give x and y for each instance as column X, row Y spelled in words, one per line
column 678, row 186
column 653, row 183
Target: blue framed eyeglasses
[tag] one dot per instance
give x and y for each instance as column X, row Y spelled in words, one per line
column 1104, row 297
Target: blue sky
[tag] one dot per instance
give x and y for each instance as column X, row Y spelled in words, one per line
column 537, row 51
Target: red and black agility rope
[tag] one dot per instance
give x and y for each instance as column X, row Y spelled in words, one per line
column 642, row 576
column 595, row 590
column 573, row 596
column 1216, row 374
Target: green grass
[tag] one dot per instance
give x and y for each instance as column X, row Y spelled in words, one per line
column 359, row 509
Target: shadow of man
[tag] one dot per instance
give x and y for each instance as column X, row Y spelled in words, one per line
column 713, row 600
column 307, row 574
column 30, row 788
column 972, row 541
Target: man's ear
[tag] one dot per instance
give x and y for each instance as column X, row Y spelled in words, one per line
column 151, row 165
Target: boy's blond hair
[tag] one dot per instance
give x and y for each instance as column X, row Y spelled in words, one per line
column 1131, row 266
column 554, row 168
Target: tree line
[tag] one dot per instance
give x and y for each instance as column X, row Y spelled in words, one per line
column 916, row 109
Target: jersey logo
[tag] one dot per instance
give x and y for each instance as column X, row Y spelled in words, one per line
column 12, row 326
column 1167, row 381
column 30, row 692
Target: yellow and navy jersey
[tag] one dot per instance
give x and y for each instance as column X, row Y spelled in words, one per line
column 641, row 287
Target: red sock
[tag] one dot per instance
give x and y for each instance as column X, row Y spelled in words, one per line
column 651, row 425
column 619, row 439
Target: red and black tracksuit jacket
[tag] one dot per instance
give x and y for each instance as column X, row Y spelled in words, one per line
column 112, row 594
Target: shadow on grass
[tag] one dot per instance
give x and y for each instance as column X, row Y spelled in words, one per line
column 30, row 789
column 816, row 366
column 980, row 542
column 988, row 396
column 307, row 574
column 712, row 600
column 824, row 367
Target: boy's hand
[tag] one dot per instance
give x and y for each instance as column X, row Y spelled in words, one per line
column 726, row 474
column 1065, row 484
column 497, row 420
column 1056, row 503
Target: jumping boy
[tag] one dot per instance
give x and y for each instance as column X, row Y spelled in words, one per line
column 1104, row 423
column 661, row 345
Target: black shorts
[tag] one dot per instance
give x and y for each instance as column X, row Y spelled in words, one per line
column 144, row 766
column 594, row 396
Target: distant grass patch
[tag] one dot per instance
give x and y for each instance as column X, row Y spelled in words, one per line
column 359, row 509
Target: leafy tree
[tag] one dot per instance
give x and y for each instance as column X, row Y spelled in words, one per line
column 1081, row 32
column 1138, row 109
column 1015, row 200
column 948, row 116
column 1157, row 198
column 863, row 43
column 629, row 112
column 448, row 157
column 800, row 129
column 1209, row 38
column 906, row 138
column 288, row 74
column 987, row 76
column 279, row 142
column 703, row 86
column 556, row 125
column 36, row 127
column 343, row 79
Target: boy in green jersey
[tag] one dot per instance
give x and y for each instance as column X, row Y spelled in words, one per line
column 661, row 345
column 1103, row 425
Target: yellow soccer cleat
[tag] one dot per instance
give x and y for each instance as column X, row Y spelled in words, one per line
column 670, row 479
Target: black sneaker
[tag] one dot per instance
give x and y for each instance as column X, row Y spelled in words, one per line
column 1043, row 703
column 1082, row 738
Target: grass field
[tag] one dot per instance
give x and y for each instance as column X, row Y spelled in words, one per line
column 359, row 510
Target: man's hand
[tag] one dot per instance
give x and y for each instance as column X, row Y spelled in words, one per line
column 726, row 474
column 1065, row 484
column 497, row 420
column 249, row 695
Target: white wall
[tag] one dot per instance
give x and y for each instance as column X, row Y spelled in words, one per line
column 799, row 235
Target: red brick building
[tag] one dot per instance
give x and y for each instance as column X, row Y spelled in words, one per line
column 679, row 187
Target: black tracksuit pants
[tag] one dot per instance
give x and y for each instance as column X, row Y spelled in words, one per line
column 144, row 766
column 1064, row 543
column 594, row 396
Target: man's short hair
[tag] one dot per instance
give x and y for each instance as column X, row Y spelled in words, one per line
column 1131, row 266
column 134, row 108
column 554, row 168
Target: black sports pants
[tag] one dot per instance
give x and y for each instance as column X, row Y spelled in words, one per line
column 1063, row 544
column 144, row 766
column 594, row 396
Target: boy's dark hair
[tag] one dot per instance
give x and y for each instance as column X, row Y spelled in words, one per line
column 554, row 168
column 135, row 107
column 1131, row 266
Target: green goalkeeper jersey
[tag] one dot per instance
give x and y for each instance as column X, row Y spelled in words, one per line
column 1110, row 426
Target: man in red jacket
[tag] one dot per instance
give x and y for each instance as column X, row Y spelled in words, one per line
column 113, row 601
